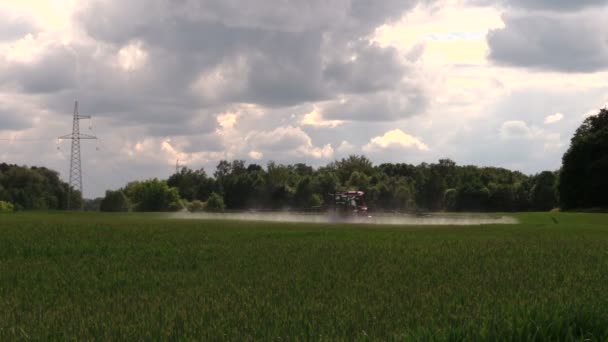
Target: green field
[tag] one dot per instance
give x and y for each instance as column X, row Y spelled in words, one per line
column 142, row 277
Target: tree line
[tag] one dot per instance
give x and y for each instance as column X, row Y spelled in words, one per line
column 34, row 188
column 388, row 187
column 582, row 182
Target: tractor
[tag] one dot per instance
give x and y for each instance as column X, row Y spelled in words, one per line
column 349, row 203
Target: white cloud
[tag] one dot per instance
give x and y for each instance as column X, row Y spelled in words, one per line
column 288, row 139
column 25, row 50
column 132, row 57
column 324, row 152
column 227, row 120
column 395, row 138
column 50, row 14
column 315, row 119
column 452, row 33
column 255, row 155
column 557, row 117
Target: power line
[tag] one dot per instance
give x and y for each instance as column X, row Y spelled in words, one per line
column 75, row 160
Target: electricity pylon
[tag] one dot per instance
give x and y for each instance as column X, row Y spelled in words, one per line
column 75, row 164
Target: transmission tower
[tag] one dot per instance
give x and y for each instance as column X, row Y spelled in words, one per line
column 75, row 164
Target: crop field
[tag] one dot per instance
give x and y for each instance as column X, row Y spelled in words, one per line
column 151, row 277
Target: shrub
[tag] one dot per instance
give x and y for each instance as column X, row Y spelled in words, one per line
column 316, row 200
column 177, row 205
column 6, row 207
column 196, row 206
column 215, row 203
column 153, row 195
column 114, row 201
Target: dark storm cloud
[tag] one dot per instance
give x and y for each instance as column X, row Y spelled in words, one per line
column 146, row 97
column 568, row 43
column 352, row 72
column 53, row 71
column 406, row 101
column 267, row 53
column 13, row 119
column 137, row 17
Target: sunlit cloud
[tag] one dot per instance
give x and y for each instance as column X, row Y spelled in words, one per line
column 551, row 119
column 395, row 139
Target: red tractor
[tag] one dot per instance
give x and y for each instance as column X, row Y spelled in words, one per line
column 349, row 203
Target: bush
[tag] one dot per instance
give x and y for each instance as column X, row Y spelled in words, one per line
column 215, row 203
column 316, row 200
column 178, row 205
column 6, row 207
column 153, row 195
column 196, row 206
column 115, row 201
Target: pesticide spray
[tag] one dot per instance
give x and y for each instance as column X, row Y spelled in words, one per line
column 349, row 207
column 377, row 219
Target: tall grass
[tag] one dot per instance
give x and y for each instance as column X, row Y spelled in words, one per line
column 134, row 277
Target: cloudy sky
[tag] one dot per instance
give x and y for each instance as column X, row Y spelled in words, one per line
column 485, row 82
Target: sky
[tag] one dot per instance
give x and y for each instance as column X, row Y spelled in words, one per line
column 486, row 82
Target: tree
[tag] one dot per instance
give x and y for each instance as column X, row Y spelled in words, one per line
column 115, row 201
column 153, row 195
column 196, row 206
column 34, row 188
column 472, row 197
column 403, row 198
column 358, row 181
column 327, row 183
column 345, row 167
column 303, row 196
column 191, row 184
column 501, row 198
column 92, row 204
column 543, row 192
column 215, row 203
column 583, row 180
column 279, row 189
column 431, row 185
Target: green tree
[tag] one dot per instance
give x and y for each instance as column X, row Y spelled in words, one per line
column 544, row 192
column 196, row 206
column 473, row 197
column 358, row 181
column 215, row 203
column 279, row 187
column 153, row 195
column 327, row 183
column 501, row 198
column 34, row 188
column 304, row 193
column 115, row 201
column 344, row 168
column 450, row 199
column 582, row 181
column 191, row 184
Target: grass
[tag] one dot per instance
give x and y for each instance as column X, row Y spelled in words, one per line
column 144, row 277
